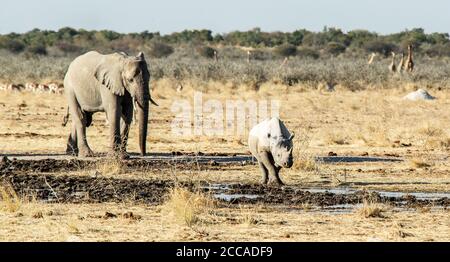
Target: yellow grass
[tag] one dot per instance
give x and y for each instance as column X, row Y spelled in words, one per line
column 74, row 222
column 9, row 200
column 186, row 207
column 371, row 209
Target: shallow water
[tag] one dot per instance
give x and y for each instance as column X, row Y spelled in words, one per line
column 418, row 195
column 230, row 197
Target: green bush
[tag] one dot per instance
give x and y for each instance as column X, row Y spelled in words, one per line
column 286, row 50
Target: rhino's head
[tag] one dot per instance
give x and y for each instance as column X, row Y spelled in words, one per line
column 281, row 149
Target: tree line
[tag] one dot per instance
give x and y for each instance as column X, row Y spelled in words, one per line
column 331, row 41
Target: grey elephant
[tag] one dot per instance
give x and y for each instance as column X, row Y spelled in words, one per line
column 107, row 83
column 271, row 144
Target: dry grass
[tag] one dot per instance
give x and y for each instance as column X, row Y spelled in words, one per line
column 419, row 163
column 9, row 200
column 110, row 167
column 371, row 209
column 74, row 222
column 187, row 207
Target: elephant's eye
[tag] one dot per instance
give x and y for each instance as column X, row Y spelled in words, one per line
column 137, row 72
column 131, row 80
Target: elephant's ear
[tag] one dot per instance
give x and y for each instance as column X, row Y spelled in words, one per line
column 111, row 77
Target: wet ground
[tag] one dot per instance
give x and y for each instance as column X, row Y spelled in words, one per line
column 42, row 180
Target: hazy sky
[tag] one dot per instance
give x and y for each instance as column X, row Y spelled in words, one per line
column 166, row 16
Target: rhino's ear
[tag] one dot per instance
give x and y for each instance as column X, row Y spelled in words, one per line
column 292, row 136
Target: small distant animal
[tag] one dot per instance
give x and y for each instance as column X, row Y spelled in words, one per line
column 14, row 87
column 409, row 60
column 30, row 87
column 392, row 66
column 42, row 88
column 270, row 142
column 3, row 87
column 53, row 88
column 371, row 58
column 401, row 64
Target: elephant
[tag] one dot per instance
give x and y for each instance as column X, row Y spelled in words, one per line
column 271, row 144
column 110, row 83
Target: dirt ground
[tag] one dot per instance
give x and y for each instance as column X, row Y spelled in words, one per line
column 82, row 200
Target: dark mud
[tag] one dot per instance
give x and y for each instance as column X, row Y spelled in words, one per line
column 8, row 165
column 87, row 189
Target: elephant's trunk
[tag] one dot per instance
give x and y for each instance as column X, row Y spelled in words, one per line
column 142, row 110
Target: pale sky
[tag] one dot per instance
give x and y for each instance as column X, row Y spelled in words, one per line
column 221, row 16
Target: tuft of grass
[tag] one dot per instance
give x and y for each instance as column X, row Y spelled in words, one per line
column 306, row 206
column 247, row 216
column 337, row 138
column 110, row 167
column 371, row 209
column 9, row 200
column 431, row 131
column 186, row 207
column 419, row 163
column 398, row 231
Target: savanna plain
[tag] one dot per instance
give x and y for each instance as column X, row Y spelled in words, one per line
column 363, row 157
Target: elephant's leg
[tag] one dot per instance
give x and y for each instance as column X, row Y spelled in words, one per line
column 113, row 113
column 79, row 122
column 267, row 160
column 265, row 173
column 83, row 148
column 125, row 122
column 72, row 147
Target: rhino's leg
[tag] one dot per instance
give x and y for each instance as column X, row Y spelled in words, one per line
column 277, row 176
column 265, row 173
column 267, row 160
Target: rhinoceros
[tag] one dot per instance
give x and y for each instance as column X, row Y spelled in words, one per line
column 270, row 142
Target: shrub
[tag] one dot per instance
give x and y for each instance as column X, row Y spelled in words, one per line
column 206, row 51
column 68, row 48
column 14, row 46
column 286, row 50
column 37, row 49
column 306, row 52
column 335, row 48
column 378, row 46
column 159, row 50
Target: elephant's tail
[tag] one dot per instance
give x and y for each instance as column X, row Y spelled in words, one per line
column 66, row 118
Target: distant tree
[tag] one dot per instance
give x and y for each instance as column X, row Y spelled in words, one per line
column 359, row 37
column 296, row 38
